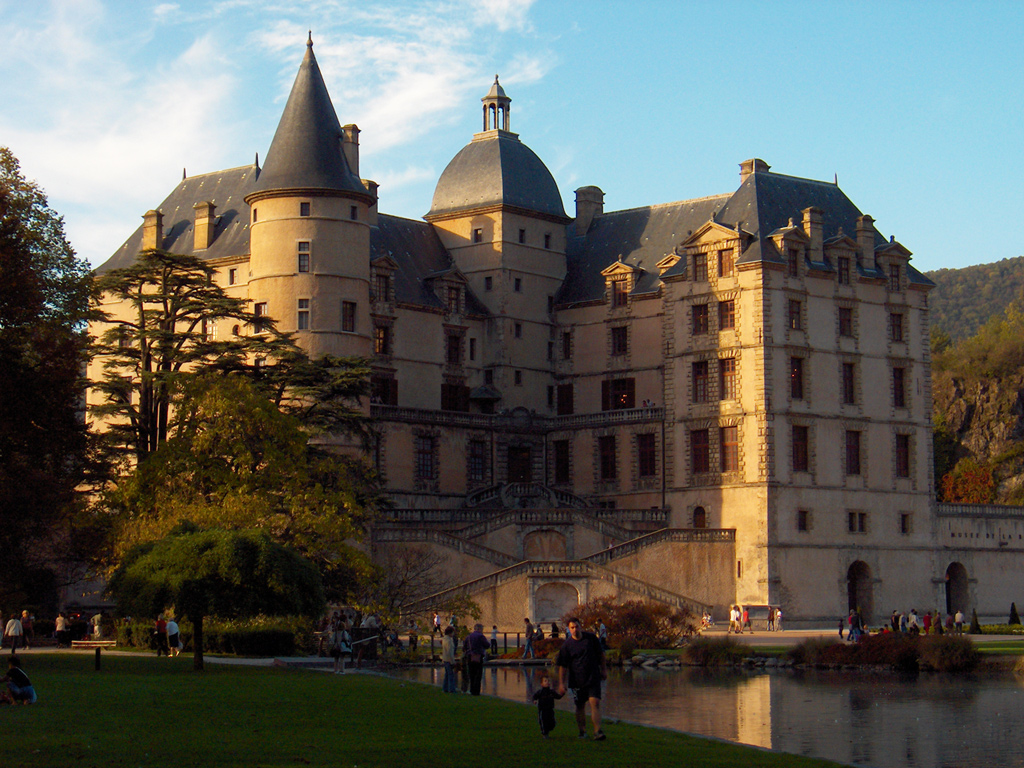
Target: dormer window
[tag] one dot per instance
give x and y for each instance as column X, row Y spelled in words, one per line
column 843, row 263
column 894, row 277
column 700, row 267
column 725, row 262
column 382, row 287
column 454, row 299
column 793, row 262
column 620, row 292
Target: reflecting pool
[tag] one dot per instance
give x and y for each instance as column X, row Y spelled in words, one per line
column 925, row 721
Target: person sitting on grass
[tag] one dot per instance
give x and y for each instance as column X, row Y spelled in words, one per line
column 545, row 699
column 19, row 687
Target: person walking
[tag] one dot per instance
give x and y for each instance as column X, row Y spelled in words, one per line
column 173, row 637
column 27, row 631
column 582, row 668
column 436, row 625
column 958, row 622
column 14, row 633
column 528, row 650
column 475, row 647
column 448, row 659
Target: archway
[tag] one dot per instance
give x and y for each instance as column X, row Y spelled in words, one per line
column 553, row 601
column 544, row 545
column 956, row 588
column 520, row 464
column 859, row 594
column 700, row 518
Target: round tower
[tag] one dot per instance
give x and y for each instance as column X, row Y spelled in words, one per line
column 310, row 226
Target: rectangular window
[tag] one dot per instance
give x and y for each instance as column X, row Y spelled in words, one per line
column 726, row 315
column 566, row 345
column 477, row 464
column 844, row 270
column 725, row 262
column 618, row 394
column 547, row 240
column 478, row 235
column 353, row 213
column 699, row 319
column 795, row 315
column 348, row 316
column 852, row 452
column 551, row 304
column 906, row 523
column 620, row 293
column 793, row 262
column 849, row 380
column 232, row 276
column 522, row 236
column 518, row 285
column 606, row 449
column 303, row 256
column 727, row 379
column 382, row 287
column 565, row 399
column 454, row 397
column 260, row 310
column 517, row 378
column 303, row 209
column 488, row 283
column 700, row 451
column 384, row 390
column 620, row 340
column 902, row 455
column 729, row 448
column 801, row 452
column 382, row 340
column 454, row 299
column 425, row 466
column 857, row 522
column 899, row 389
column 489, row 376
column 896, row 326
column 472, row 349
column 551, row 396
column 846, row 321
column 518, row 329
column 700, row 381
column 551, row 351
column 561, row 448
column 453, row 349
column 303, row 319
column 796, row 378
column 803, row 520
column 646, row 455
column 700, row 267
column 894, row 277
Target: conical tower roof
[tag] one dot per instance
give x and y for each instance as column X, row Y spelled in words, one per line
column 306, row 152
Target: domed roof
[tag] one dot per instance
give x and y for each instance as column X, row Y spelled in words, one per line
column 497, row 169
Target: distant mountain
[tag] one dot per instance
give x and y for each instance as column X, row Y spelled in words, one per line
column 966, row 298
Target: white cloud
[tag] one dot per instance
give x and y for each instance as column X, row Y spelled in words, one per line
column 504, row 14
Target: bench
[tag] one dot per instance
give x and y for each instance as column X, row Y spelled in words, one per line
column 93, row 643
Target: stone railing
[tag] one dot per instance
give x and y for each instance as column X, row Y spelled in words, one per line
column 455, row 516
column 606, row 418
column 647, row 590
column 703, row 535
column 445, row 539
column 547, row 517
column 979, row 510
column 510, row 420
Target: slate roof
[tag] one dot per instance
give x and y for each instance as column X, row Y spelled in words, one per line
column 225, row 189
column 306, row 152
column 497, row 168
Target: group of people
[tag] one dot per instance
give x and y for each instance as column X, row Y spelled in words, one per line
column 739, row 619
column 18, row 631
column 167, row 637
column 906, row 622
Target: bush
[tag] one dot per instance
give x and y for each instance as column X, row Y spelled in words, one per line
column 713, row 652
column 886, row 648
column 1014, row 618
column 811, row 651
column 949, row 653
column 646, row 625
column 260, row 636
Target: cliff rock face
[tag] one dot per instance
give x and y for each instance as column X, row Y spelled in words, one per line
column 983, row 420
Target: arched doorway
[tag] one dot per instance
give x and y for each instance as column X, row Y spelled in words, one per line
column 956, row 588
column 544, row 545
column 859, row 594
column 520, row 464
column 700, row 518
column 555, row 600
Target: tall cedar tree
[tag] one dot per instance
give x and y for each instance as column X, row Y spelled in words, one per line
column 44, row 306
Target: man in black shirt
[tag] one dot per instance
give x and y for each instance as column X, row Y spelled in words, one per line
column 19, row 686
column 581, row 663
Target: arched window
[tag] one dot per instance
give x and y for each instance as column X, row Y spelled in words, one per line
column 700, row 518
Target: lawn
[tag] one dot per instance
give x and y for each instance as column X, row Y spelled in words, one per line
column 144, row 711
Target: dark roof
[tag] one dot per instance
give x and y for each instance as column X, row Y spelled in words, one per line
column 306, row 152
column 497, row 169
column 225, row 189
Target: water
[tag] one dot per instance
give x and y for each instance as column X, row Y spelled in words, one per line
column 926, row 721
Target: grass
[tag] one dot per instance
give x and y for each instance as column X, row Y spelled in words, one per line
column 144, row 711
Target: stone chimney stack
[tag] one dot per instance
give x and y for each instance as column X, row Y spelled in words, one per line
column 206, row 223
column 350, row 145
column 589, row 205
column 755, row 165
column 814, row 229
column 152, row 230
column 866, row 241
column 371, row 187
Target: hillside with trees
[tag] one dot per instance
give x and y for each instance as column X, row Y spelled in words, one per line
column 966, row 298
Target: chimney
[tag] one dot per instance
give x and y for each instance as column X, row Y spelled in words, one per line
column 206, row 223
column 866, row 241
column 371, row 187
column 350, row 145
column 152, row 230
column 589, row 205
column 813, row 228
column 755, row 165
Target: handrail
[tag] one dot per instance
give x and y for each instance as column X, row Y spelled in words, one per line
column 630, row 547
column 446, row 539
column 505, row 420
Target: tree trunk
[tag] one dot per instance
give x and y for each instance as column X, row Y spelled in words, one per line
column 197, row 643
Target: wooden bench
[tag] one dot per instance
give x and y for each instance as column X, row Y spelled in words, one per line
column 93, row 643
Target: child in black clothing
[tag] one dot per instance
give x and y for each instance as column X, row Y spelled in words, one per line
column 545, row 699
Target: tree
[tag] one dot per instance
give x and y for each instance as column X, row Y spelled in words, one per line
column 232, row 460
column 226, row 574
column 969, row 483
column 44, row 304
column 1014, row 618
column 406, row 575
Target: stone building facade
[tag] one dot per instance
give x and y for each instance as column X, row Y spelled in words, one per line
column 702, row 402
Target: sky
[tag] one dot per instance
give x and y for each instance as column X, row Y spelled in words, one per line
column 915, row 107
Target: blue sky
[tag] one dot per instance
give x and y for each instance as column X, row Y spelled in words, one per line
column 916, row 107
